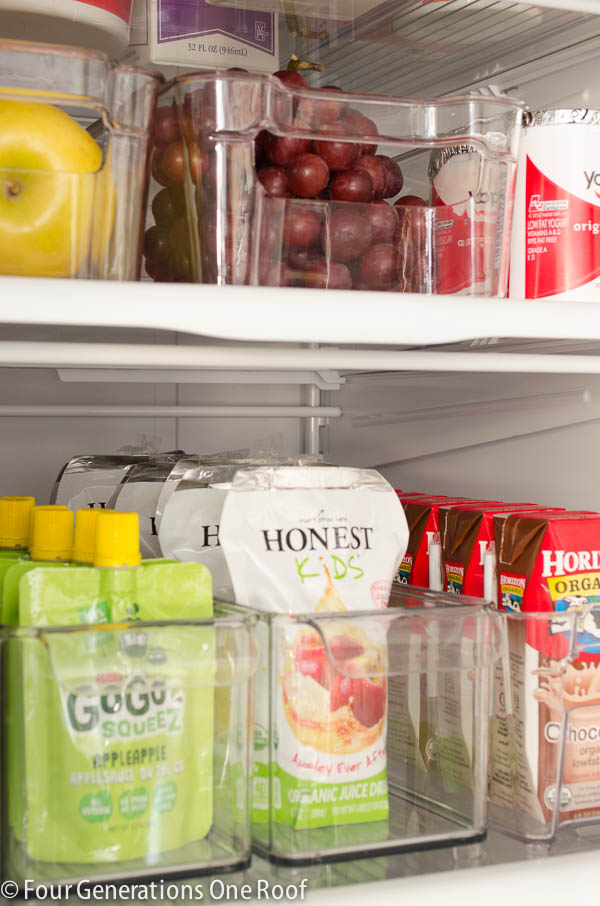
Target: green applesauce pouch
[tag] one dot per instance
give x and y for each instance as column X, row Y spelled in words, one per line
column 323, row 540
column 51, row 546
column 119, row 748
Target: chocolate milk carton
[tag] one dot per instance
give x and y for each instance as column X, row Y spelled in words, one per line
column 466, row 530
column 545, row 765
column 421, row 513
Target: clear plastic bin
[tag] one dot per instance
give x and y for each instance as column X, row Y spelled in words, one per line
column 130, row 755
column 216, row 223
column 370, row 729
column 545, row 730
column 72, row 205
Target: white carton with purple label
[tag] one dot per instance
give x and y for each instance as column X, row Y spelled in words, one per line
column 192, row 33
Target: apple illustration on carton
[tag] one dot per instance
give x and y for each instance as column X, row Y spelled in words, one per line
column 359, row 686
column 50, row 193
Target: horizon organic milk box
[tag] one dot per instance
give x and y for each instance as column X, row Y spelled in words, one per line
column 423, row 523
column 318, row 540
column 549, row 563
column 466, row 531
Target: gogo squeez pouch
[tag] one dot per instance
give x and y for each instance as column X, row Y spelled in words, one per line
column 119, row 720
column 326, row 540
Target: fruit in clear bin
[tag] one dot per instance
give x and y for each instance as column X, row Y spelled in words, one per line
column 301, row 227
column 383, row 219
column 411, row 201
column 307, row 175
column 394, row 180
column 346, row 234
column 157, row 273
column 157, row 245
column 358, row 124
column 166, row 126
column 198, row 162
column 377, row 170
column 301, row 259
column 338, row 155
column 168, row 204
column 291, row 78
column 50, row 197
column 380, row 266
column 275, row 181
column 351, row 185
column 282, row 151
column 324, row 274
column 320, row 112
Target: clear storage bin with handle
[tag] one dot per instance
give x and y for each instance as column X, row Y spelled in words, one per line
column 134, row 741
column 371, row 728
column 72, row 200
column 260, row 187
column 545, row 730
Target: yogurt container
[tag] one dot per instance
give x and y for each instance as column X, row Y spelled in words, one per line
column 95, row 24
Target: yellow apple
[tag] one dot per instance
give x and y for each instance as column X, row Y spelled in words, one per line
column 49, row 190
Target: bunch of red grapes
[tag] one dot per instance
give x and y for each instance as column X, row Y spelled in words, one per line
column 330, row 223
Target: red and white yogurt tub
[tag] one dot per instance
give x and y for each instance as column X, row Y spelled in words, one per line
column 94, row 24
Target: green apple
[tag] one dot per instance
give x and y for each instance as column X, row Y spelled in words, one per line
column 49, row 187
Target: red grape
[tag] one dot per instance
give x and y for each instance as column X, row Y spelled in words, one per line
column 301, row 227
column 394, row 179
column 308, row 175
column 358, row 124
column 301, row 259
column 337, row 155
column 168, row 204
column 404, row 286
column 236, row 69
column 291, row 77
column 157, row 244
column 379, row 266
column 157, row 272
column 180, row 264
column 377, row 170
column 411, row 201
column 319, row 112
column 324, row 275
column 275, row 181
column 346, row 235
column 351, row 185
column 282, row 151
column 170, row 165
column 383, row 219
column 166, row 126
column 198, row 162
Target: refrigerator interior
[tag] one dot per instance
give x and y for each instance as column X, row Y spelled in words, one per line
column 420, row 392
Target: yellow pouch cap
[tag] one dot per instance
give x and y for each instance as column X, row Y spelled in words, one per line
column 51, row 533
column 15, row 517
column 117, row 539
column 84, row 544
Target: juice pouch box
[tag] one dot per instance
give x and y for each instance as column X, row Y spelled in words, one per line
column 466, row 531
column 118, row 718
column 550, row 563
column 303, row 540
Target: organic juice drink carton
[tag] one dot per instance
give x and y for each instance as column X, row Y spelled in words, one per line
column 325, row 540
column 51, row 545
column 119, row 755
column 549, row 562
